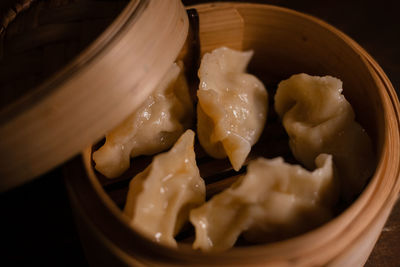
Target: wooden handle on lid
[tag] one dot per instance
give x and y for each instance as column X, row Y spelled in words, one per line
column 93, row 94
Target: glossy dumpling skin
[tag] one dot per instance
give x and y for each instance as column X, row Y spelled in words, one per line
column 152, row 128
column 273, row 200
column 160, row 198
column 232, row 105
column 318, row 119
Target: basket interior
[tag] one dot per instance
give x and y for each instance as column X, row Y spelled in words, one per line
column 284, row 43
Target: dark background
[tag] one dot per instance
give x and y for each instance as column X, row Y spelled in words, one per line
column 36, row 223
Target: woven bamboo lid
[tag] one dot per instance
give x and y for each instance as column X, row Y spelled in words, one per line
column 103, row 84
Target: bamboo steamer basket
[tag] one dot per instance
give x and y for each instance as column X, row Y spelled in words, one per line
column 285, row 42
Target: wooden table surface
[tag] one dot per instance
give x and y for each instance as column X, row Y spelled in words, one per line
column 36, row 221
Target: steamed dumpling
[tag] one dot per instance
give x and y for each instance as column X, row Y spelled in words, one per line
column 318, row 119
column 232, row 105
column 160, row 197
column 273, row 199
column 152, row 128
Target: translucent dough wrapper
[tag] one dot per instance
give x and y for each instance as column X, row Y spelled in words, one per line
column 232, row 105
column 318, row 119
column 160, row 198
column 152, row 128
column 272, row 201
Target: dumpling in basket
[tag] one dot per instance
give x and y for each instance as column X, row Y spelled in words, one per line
column 152, row 128
column 232, row 106
column 318, row 119
column 160, row 198
column 273, row 200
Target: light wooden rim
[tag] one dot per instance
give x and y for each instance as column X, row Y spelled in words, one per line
column 92, row 94
column 380, row 195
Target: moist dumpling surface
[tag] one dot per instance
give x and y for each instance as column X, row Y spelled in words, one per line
column 319, row 119
column 152, row 128
column 232, row 105
column 160, row 198
column 274, row 199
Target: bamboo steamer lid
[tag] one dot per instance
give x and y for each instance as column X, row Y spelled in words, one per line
column 285, row 42
column 102, row 85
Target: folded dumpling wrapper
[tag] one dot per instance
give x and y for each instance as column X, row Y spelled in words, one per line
column 232, row 105
column 273, row 199
column 319, row 119
column 160, row 198
column 153, row 127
